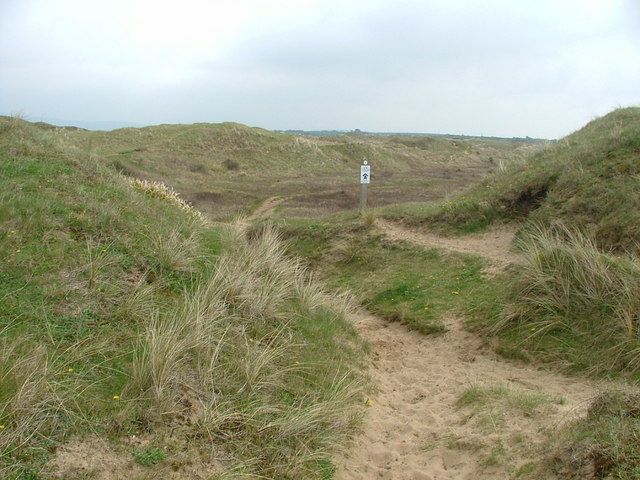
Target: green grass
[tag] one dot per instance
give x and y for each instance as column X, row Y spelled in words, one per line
column 604, row 444
column 466, row 213
column 495, row 456
column 574, row 303
column 123, row 313
column 397, row 281
column 568, row 305
column 150, row 456
column 327, row 469
column 481, row 397
column 526, row 470
column 587, row 180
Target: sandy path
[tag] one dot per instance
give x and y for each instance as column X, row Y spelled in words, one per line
column 413, row 428
column 264, row 208
column 495, row 245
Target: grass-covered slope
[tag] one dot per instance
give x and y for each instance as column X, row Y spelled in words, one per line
column 130, row 327
column 573, row 301
column 587, row 180
column 228, row 168
column 570, row 305
column 232, row 147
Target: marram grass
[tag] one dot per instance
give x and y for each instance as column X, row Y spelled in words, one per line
column 122, row 314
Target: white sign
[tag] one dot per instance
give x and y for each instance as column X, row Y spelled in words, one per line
column 365, row 173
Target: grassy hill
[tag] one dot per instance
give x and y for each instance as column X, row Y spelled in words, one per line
column 133, row 326
column 574, row 301
column 137, row 339
column 588, row 180
column 225, row 169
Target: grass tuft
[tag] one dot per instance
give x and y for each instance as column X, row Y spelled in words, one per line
column 481, row 397
column 150, row 456
column 226, row 356
column 574, row 303
column 604, row 444
column 166, row 193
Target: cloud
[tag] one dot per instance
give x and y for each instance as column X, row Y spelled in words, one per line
column 494, row 67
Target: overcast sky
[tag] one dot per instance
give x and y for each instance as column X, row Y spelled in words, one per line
column 494, row 67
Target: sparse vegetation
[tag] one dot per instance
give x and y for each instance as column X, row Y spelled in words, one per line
column 604, row 444
column 150, row 456
column 501, row 395
column 492, row 410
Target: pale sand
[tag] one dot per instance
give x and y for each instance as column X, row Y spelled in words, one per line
column 264, row 208
column 414, row 429
column 494, row 245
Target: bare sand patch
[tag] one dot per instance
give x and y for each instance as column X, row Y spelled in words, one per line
column 414, row 428
column 264, row 208
column 495, row 245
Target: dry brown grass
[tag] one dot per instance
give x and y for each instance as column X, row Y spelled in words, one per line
column 32, row 400
column 175, row 251
column 226, row 169
column 166, row 193
column 219, row 360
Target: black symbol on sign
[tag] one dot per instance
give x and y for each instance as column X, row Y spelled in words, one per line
column 365, row 176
